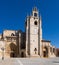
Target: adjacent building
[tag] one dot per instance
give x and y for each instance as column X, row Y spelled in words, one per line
column 57, row 52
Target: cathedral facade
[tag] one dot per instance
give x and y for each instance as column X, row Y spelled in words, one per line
column 29, row 43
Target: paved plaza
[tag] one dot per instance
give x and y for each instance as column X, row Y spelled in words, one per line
column 30, row 61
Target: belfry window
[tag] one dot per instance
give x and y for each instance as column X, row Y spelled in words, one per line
column 35, row 22
column 12, row 34
column 35, row 14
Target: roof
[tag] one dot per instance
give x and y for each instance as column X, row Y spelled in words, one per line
column 35, row 9
column 46, row 41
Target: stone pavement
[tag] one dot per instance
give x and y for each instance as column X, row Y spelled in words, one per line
column 30, row 61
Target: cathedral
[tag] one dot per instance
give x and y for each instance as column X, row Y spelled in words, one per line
column 15, row 43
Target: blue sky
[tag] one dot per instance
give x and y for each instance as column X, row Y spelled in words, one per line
column 13, row 14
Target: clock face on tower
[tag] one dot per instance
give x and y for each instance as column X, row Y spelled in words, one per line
column 35, row 31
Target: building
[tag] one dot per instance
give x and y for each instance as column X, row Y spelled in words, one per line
column 35, row 45
column 57, row 52
column 28, row 43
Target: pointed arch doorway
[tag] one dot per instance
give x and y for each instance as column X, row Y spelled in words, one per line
column 45, row 52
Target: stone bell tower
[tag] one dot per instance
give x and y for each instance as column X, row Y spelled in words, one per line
column 33, row 34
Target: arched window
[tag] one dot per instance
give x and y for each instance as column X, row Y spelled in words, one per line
column 12, row 34
column 35, row 50
column 35, row 14
column 35, row 23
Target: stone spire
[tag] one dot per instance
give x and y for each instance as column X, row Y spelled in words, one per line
column 35, row 9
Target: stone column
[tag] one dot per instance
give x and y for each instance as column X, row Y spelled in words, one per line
column 48, row 51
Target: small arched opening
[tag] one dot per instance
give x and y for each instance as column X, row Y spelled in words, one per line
column 12, row 54
column 35, row 50
column 22, row 54
column 45, row 52
column 13, row 49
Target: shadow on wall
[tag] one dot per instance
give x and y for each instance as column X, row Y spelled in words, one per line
column 13, row 48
